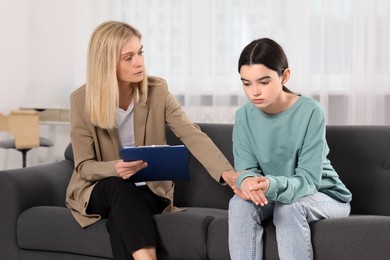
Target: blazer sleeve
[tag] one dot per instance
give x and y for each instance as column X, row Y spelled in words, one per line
column 198, row 143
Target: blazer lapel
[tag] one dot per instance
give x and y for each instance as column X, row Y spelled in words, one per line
column 113, row 133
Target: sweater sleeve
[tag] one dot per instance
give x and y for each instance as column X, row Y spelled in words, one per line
column 245, row 161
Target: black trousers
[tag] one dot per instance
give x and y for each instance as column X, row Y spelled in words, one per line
column 129, row 211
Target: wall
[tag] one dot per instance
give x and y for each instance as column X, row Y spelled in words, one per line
column 15, row 73
column 52, row 53
column 43, row 50
column 42, row 60
column 37, row 55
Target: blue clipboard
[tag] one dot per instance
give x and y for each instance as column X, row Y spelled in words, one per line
column 164, row 162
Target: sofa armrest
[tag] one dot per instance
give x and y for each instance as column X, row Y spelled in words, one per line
column 20, row 189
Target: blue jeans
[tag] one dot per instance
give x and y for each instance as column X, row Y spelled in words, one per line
column 291, row 221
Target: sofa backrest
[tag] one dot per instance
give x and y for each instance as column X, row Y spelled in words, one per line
column 202, row 190
column 68, row 154
column 360, row 155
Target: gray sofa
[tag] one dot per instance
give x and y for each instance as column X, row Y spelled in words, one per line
column 34, row 223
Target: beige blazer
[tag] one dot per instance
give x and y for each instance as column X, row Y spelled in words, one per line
column 96, row 150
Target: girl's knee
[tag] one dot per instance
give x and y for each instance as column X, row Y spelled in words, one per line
column 238, row 204
column 242, row 209
column 234, row 201
column 287, row 211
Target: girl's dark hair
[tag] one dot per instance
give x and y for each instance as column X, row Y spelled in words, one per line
column 267, row 52
column 264, row 51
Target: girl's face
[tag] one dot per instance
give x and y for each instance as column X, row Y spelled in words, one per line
column 263, row 86
column 131, row 62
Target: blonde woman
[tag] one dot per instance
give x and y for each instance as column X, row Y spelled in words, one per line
column 121, row 106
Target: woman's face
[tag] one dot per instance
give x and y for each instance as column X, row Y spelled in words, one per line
column 262, row 86
column 131, row 63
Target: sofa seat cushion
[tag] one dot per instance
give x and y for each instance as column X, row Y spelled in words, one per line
column 210, row 214
column 351, row 232
column 183, row 235
column 343, row 238
column 47, row 228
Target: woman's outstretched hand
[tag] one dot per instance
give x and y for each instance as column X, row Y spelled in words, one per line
column 230, row 178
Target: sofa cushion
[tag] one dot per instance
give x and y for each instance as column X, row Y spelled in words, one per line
column 47, row 228
column 327, row 236
column 68, row 154
column 362, row 160
column 183, row 235
column 357, row 237
column 217, row 240
column 202, row 190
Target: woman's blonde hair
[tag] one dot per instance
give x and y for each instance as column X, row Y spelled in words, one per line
column 102, row 92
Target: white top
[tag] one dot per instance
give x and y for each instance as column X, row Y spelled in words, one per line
column 126, row 126
column 126, row 129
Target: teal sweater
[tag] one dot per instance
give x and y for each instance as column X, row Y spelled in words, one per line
column 288, row 148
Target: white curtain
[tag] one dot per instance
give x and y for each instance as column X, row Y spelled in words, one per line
column 338, row 51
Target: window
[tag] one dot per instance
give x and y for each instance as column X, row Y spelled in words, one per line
column 337, row 50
